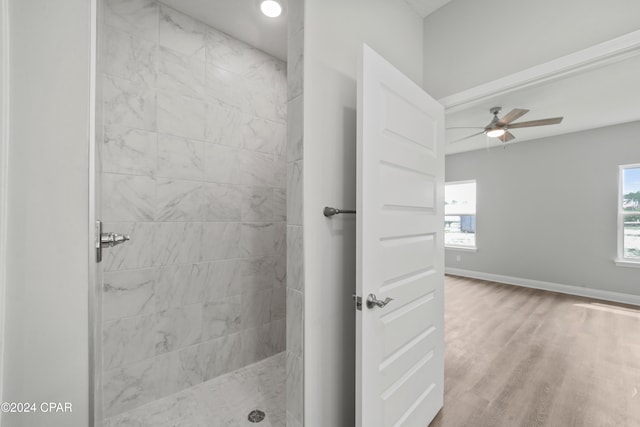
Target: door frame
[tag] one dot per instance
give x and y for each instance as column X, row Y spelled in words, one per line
column 94, row 281
column 4, row 172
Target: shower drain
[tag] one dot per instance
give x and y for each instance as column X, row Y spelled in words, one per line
column 256, row 416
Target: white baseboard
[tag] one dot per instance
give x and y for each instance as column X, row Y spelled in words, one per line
column 548, row 286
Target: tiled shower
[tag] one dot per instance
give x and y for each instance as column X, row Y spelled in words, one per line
column 194, row 169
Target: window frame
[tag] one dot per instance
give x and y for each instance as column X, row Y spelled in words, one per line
column 464, row 248
column 621, row 260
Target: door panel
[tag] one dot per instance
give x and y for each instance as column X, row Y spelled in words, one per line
column 400, row 253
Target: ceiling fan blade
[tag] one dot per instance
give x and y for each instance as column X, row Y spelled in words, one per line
column 467, row 137
column 465, row 127
column 514, row 114
column 542, row 122
column 508, row 136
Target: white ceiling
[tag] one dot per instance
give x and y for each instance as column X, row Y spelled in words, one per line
column 426, row 7
column 241, row 19
column 595, row 98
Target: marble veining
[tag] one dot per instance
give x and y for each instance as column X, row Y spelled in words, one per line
column 128, row 103
column 180, row 158
column 129, row 151
column 181, row 116
column 130, row 57
column 179, row 200
column 134, row 16
column 181, row 74
column 128, row 293
column 294, row 193
column 220, row 402
column 195, row 171
column 181, row 33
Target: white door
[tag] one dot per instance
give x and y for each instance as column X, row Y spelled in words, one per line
column 400, row 249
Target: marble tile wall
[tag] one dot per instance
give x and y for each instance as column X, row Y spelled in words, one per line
column 295, row 230
column 195, row 170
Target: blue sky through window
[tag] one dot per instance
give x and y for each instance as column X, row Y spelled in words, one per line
column 631, row 180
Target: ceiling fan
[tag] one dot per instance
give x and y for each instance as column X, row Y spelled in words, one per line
column 499, row 127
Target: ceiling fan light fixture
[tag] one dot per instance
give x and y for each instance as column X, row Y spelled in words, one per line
column 271, row 8
column 495, row 133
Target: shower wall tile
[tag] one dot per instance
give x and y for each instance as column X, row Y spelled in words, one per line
column 128, row 340
column 295, row 129
column 233, row 55
column 133, row 16
column 194, row 155
column 179, row 200
column 226, row 87
column 225, row 125
column 180, row 158
column 278, row 303
column 294, row 322
column 266, row 136
column 265, row 102
column 129, row 387
column 224, row 279
column 181, row 33
column 256, row 308
column 128, row 197
column 257, row 169
column 129, row 151
column 221, row 164
column 295, row 64
column 295, row 390
column 128, row 293
column 179, row 370
column 177, row 243
column 130, row 57
column 295, row 257
column 223, row 355
column 257, row 204
column 257, row 239
column 279, row 204
column 222, row 317
column 294, row 193
column 278, row 331
column 280, row 269
column 220, row 240
column 181, row 116
column 179, row 285
column 223, row 202
column 136, row 253
column 179, row 327
column 180, row 74
column 128, row 103
column 257, row 274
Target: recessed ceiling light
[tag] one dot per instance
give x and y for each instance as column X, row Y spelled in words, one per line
column 271, row 8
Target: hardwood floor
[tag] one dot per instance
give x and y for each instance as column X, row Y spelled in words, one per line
column 518, row 357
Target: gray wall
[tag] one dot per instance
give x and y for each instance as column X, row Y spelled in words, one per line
column 334, row 31
column 47, row 343
column 194, row 169
column 546, row 209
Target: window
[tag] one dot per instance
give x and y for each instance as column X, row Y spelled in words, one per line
column 629, row 214
column 460, row 214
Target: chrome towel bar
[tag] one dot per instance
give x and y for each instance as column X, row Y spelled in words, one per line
column 329, row 212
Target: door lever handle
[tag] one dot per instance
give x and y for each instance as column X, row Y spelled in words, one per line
column 373, row 302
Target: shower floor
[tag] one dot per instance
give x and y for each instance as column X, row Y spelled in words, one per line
column 225, row 401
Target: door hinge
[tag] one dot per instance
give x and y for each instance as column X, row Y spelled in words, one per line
column 358, row 301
